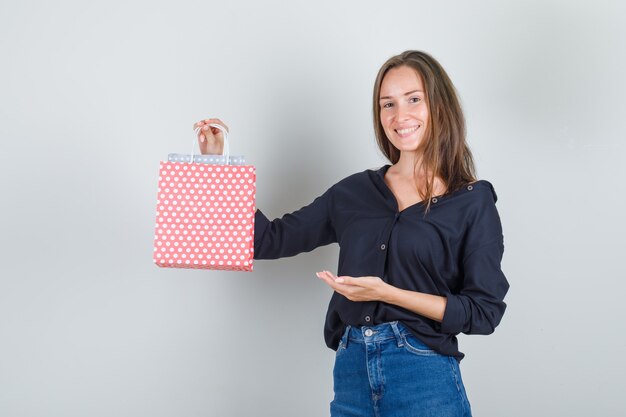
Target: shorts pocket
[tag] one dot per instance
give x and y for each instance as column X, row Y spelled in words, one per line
column 343, row 342
column 413, row 345
column 456, row 372
column 341, row 348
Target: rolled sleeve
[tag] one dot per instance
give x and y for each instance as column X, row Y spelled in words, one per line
column 479, row 306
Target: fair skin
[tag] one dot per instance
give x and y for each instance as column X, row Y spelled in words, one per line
column 210, row 139
column 404, row 116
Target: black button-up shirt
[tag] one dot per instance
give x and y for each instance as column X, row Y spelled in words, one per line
column 453, row 251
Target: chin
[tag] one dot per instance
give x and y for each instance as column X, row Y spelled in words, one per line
column 406, row 147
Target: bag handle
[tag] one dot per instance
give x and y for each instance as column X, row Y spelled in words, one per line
column 225, row 150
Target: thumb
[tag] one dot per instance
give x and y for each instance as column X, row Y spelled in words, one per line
column 344, row 280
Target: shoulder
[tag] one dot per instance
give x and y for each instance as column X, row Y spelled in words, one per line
column 470, row 198
column 471, row 206
column 477, row 201
column 482, row 216
column 481, row 192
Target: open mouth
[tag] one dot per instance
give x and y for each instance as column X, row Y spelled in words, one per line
column 406, row 131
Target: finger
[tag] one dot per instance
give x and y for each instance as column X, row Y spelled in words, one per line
column 348, row 280
column 198, row 124
column 217, row 121
column 214, row 131
column 324, row 277
column 329, row 275
column 335, row 279
column 328, row 280
column 341, row 280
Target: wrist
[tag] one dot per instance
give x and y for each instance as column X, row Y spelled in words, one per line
column 389, row 293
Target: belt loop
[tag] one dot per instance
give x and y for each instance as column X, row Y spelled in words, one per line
column 346, row 336
column 396, row 331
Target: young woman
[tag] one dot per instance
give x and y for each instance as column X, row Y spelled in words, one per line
column 420, row 249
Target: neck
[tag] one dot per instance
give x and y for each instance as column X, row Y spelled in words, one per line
column 409, row 167
column 406, row 165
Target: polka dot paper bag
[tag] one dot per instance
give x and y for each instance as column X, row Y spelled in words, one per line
column 205, row 216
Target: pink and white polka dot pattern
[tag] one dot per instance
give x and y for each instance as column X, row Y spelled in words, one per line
column 205, row 216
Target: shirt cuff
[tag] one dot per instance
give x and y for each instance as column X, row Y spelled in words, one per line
column 260, row 224
column 454, row 316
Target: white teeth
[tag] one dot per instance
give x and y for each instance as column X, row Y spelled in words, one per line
column 407, row 130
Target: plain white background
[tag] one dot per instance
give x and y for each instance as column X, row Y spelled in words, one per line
column 94, row 94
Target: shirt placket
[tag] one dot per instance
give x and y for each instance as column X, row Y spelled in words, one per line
column 381, row 266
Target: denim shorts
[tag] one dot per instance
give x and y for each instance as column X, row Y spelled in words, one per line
column 385, row 371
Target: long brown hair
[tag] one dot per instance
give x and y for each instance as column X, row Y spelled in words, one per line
column 445, row 153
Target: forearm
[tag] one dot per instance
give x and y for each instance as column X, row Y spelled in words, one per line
column 427, row 305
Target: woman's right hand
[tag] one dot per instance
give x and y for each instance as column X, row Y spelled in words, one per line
column 210, row 139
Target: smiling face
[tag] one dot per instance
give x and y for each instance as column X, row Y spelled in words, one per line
column 404, row 113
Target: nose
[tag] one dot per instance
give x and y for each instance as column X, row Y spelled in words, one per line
column 402, row 112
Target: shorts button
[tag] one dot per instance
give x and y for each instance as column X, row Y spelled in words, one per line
column 369, row 332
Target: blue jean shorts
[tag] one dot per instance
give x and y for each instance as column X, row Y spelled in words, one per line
column 385, row 371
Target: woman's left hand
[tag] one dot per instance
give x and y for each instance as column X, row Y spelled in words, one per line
column 356, row 288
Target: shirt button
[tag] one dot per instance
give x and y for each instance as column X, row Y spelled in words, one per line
column 434, row 200
column 369, row 332
column 368, row 319
column 382, row 247
column 470, row 188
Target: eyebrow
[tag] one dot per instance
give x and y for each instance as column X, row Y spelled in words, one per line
column 406, row 94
